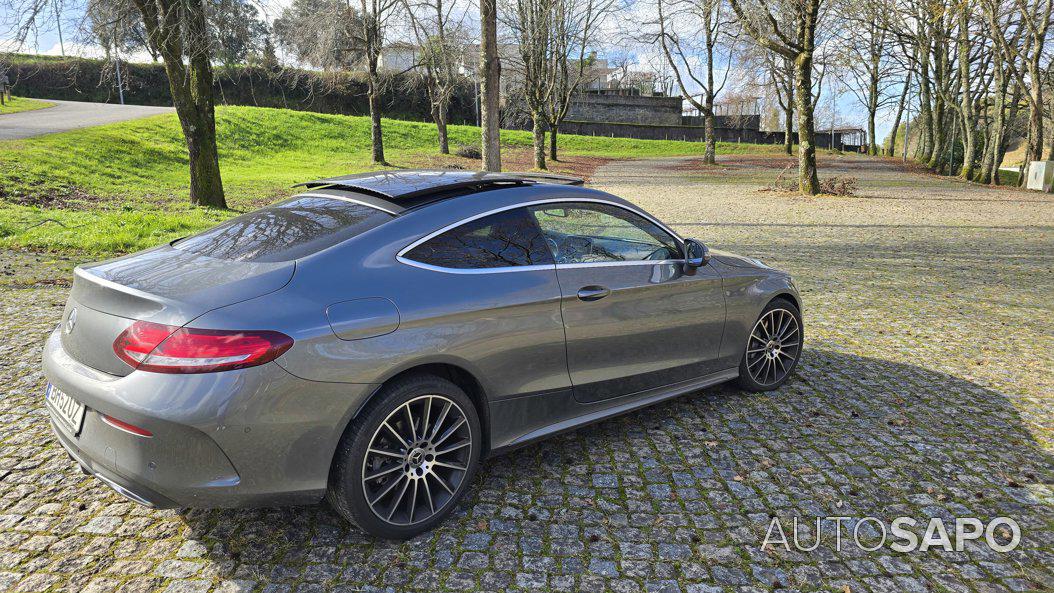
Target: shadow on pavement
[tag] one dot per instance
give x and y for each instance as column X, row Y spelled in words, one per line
column 694, row 483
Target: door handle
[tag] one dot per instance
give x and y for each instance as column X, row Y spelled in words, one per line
column 593, row 293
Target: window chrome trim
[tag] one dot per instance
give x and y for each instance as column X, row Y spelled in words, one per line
column 346, row 199
column 401, row 256
column 634, row 262
column 497, row 270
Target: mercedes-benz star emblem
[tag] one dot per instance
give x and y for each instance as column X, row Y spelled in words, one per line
column 71, row 320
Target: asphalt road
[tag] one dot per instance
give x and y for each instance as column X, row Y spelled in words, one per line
column 69, row 115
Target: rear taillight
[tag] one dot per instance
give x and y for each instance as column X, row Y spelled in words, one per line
column 161, row 348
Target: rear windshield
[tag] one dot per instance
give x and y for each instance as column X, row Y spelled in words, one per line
column 289, row 230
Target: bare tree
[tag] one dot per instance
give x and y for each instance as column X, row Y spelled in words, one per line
column 781, row 70
column 575, row 25
column 906, row 64
column 532, row 22
column 710, row 19
column 179, row 31
column 791, row 33
column 1005, row 94
column 375, row 16
column 440, row 38
column 867, row 58
column 1035, row 16
column 490, row 86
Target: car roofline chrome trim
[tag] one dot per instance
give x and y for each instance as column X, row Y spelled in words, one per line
column 401, row 256
column 346, row 199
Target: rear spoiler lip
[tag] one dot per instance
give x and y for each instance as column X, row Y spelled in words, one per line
column 553, row 178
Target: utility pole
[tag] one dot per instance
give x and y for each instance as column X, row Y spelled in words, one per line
column 120, row 86
column 117, row 64
column 58, row 23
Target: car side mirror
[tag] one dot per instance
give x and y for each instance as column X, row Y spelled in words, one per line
column 696, row 254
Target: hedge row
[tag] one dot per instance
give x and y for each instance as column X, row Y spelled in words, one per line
column 77, row 79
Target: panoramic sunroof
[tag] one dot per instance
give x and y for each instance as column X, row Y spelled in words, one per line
column 403, row 186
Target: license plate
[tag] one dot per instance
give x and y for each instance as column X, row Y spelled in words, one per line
column 65, row 409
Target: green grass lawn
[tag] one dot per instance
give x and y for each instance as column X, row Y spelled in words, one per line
column 122, row 187
column 18, row 104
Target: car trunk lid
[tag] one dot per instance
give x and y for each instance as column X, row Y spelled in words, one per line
column 164, row 285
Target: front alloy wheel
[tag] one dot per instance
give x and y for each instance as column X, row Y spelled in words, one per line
column 773, row 347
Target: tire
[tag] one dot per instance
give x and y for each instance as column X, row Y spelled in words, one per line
column 377, row 450
column 769, row 359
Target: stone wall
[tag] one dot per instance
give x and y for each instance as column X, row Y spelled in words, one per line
column 689, row 133
column 656, row 111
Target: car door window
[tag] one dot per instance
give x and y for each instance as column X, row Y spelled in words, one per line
column 505, row 239
column 584, row 232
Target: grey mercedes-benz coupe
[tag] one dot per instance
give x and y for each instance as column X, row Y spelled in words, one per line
column 371, row 339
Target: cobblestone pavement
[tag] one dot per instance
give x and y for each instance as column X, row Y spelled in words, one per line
column 926, row 390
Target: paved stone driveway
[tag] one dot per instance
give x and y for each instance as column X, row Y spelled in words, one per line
column 926, row 390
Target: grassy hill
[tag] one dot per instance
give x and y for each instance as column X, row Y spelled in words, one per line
column 123, row 187
column 19, row 104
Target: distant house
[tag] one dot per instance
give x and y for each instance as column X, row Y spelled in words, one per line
column 399, row 57
column 631, row 82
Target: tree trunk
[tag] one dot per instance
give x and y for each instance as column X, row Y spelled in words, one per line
column 937, row 122
column 937, row 154
column 990, row 163
column 1050, row 149
column 872, row 112
column 788, row 109
column 440, row 119
column 925, row 97
column 553, row 130
column 191, row 88
column 1000, row 148
column 539, row 141
column 490, row 91
column 872, row 144
column 891, row 144
column 788, row 125
column 374, row 92
column 1034, row 150
column 808, row 179
column 710, row 153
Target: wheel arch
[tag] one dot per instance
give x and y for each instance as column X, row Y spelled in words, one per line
column 787, row 296
column 456, row 374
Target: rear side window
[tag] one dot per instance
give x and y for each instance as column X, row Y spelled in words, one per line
column 292, row 229
column 506, row 239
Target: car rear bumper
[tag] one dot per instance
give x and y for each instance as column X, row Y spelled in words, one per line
column 123, row 486
column 249, row 437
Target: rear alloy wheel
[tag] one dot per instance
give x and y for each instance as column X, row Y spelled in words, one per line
column 417, row 459
column 408, row 458
column 773, row 348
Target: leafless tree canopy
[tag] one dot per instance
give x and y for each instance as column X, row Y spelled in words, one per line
column 961, row 82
